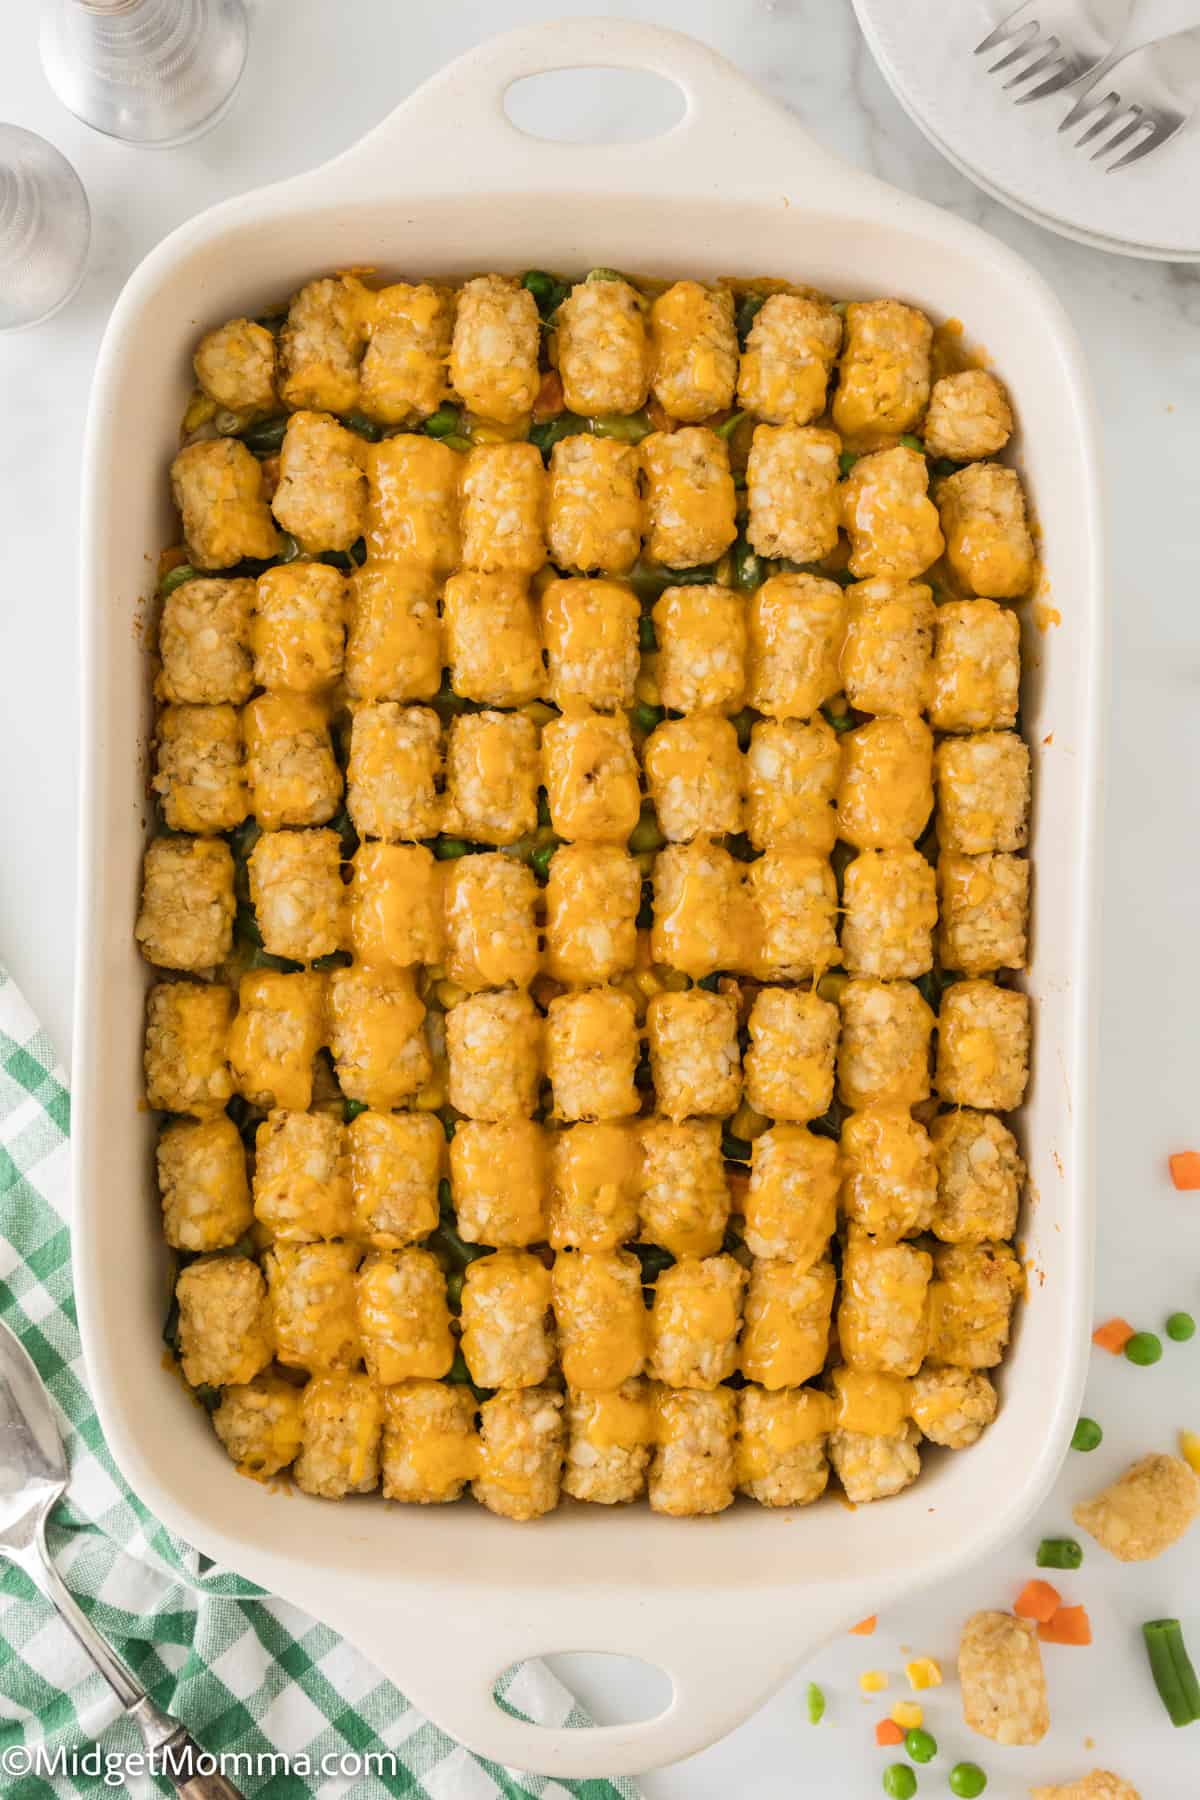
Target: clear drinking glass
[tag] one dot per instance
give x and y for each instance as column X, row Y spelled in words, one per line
column 148, row 71
column 45, row 228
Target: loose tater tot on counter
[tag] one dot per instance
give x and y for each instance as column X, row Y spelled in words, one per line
column 313, row 1309
column 884, row 374
column 495, row 1049
column 790, row 1060
column 609, row 1439
column 872, row 1467
column 694, row 775
column 491, row 777
column 694, row 1322
column 224, row 1324
column 793, row 907
column 592, row 1053
column 886, row 509
column 969, row 416
column 394, row 769
column 590, row 630
column 984, row 911
column 693, row 350
column 494, row 352
column 396, row 905
column 290, row 766
column 522, row 1441
column 684, row 1205
column 413, row 503
column 491, row 928
column 504, row 509
column 403, row 1317
column 976, row 667
column 701, row 633
column 202, row 1184
column 1101, row 1784
column 204, row 642
column 218, row 487
column 396, row 1161
column 394, row 644
column 430, row 1443
column 781, row 1444
column 297, row 893
column 690, row 499
column 601, row 1321
column 982, row 792
column 592, row 898
column 791, row 1202
column 402, row 376
column 951, row 1407
column 493, row 644
column 321, row 345
column 376, row 1037
column 1000, row 1673
column 322, row 493
column 259, row 1423
column 186, row 1065
column 591, row 778
column 594, row 1186
column 199, row 773
column 792, row 488
column 983, row 1046
column 889, row 1179
column 700, row 911
column 693, row 1470
column 302, row 1177
column 298, row 632
column 884, row 1053
column 694, row 1059
column 988, row 543
column 603, row 350
column 341, row 1425
column 885, row 788
column 498, row 1179
column 785, row 1338
column 507, row 1328
column 979, row 1177
column 795, row 628
column 887, row 654
column 235, row 366
column 791, row 785
column 594, row 505
column 187, row 910
column 975, row 1287
column 883, row 1318
column 279, row 1028
column 889, row 900
column 790, row 350
column 1143, row 1512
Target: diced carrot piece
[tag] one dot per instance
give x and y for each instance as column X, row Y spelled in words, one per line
column 1113, row 1335
column 865, row 1627
column 1037, row 1600
column 888, row 1732
column 1070, row 1625
column 1185, row 1170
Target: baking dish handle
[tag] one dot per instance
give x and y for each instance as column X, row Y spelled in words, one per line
column 731, row 134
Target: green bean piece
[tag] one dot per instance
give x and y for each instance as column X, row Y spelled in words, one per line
column 629, row 428
column 1059, row 1553
column 454, row 1288
column 542, row 857
column 847, row 460
column 458, row 1371
column 1171, row 1667
column 748, row 309
column 551, row 431
column 358, row 551
column 841, row 721
column 710, row 983
column 646, row 834
column 913, row 443
column 1144, row 1348
column 1087, row 1435
column 1180, row 1327
column 830, row 1123
column 352, row 1108
column 442, row 423
column 749, row 569
column 176, row 577
column 943, row 466
column 209, row 1397
column 449, row 1119
column 454, row 440
column 604, row 275
column 448, row 849
column 728, row 426
column 245, row 926
column 899, row 1782
column 265, row 436
column 967, row 1781
column 647, row 636
column 702, row 576
column 645, row 915
column 654, row 1259
column 743, row 723
column 920, row 1745
column 735, row 1149
column 646, row 717
column 816, row 1704
column 362, row 427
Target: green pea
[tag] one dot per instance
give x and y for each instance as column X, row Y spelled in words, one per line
column 352, row 1108
column 899, row 1782
column 748, row 309
column 647, row 636
column 176, row 577
column 967, row 1781
column 816, row 1704
column 362, row 427
column 265, row 436
column 539, row 284
column 943, row 466
column 447, row 849
column 1180, row 1327
column 1086, row 1435
column 920, row 1745
column 913, row 443
column 710, row 983
column 847, row 460
column 441, row 423
column 841, row 721
column 628, row 429
column 646, row 717
column 1144, row 1348
column 646, row 834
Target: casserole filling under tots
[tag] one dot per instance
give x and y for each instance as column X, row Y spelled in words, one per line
column 588, row 892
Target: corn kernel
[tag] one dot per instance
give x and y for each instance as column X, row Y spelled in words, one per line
column 431, row 1097
column 748, row 1124
column 830, row 987
column 646, row 685
column 449, row 993
column 923, row 1673
column 649, row 982
column 908, row 1715
column 538, row 711
column 872, row 1681
column 1189, row 1448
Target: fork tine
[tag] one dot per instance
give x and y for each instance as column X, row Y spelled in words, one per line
column 1005, row 29
column 1087, row 102
column 1137, row 123
column 1028, row 48
column 1035, row 68
column 1156, row 138
column 1062, row 77
column 1108, row 116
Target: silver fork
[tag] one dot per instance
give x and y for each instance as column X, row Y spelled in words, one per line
column 1144, row 94
column 1060, row 40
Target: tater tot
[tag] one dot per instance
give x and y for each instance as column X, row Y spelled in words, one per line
column 396, row 1162
column 795, row 628
column 202, row 1184
column 988, row 543
column 493, row 644
column 403, row 1317
column 793, row 910
column 594, row 505
column 976, row 667
column 889, row 900
column 495, row 1049
column 204, row 642
column 1101, row 1784
column 1000, row 1673
column 491, row 928
column 884, row 1053
column 791, row 1202
column 969, row 416
column 491, row 777
column 693, row 1470
column 603, row 351
column 868, row 1403
column 983, row 1046
column 883, row 379
column 186, row 916
column 504, row 509
column 498, row 1179
column 522, row 1442
column 690, row 499
column 186, row 1062
column 235, row 366
column 883, row 1318
column 886, row 509
column 218, row 487
column 430, row 1443
column 322, row 493
column 874, row 1467
column 298, row 632
column 889, row 1179
column 984, row 911
column 413, row 500
column 394, row 644
column 403, row 371
column 592, row 898
column 591, row 778
column 1143, row 1512
column 313, row 1312
column 885, row 788
column 694, row 1058
column 701, row 633
column 975, row 1288
column 259, row 1423
column 685, row 1202
column 952, row 1407
column 302, row 1177
column 791, row 784
column 341, row 1424
column 396, row 905
column 601, row 1321
column 694, row 776
column 594, row 1186
column 590, row 630
column 375, row 1033
column 889, row 647
column 494, row 352
column 297, row 893
column 980, row 1175
column 393, row 771
column 609, row 1441
column 792, row 484
column 279, row 1028
column 694, row 1321
column 200, row 776
column 701, row 917
column 790, row 1059
column 785, row 366
column 788, row 1312
column 592, row 1053
column 224, row 1327
column 782, row 1436
column 507, row 1329
column 290, row 766
column 321, row 345
column 982, row 792
column 693, row 350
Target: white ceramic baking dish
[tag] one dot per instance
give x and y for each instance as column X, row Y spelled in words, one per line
column 444, row 1599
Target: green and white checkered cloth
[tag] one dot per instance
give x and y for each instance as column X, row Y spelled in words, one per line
column 246, row 1673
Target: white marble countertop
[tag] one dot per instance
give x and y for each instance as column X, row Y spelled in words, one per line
column 320, row 75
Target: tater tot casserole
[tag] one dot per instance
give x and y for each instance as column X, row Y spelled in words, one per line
column 587, row 895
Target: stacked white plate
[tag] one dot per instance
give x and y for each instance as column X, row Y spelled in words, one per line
column 925, row 50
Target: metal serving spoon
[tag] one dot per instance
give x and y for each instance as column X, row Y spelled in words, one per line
column 33, row 1477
